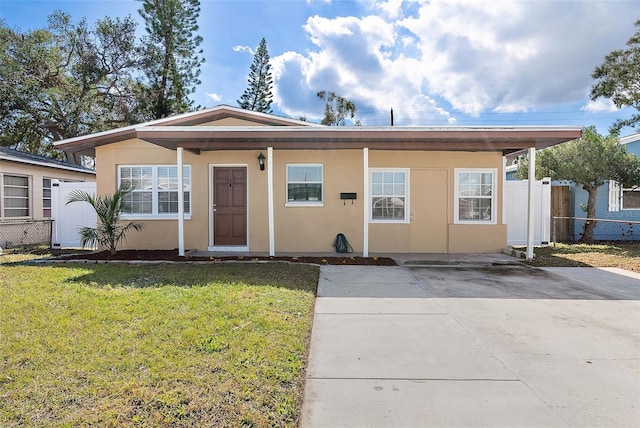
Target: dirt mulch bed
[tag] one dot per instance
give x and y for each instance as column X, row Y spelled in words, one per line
column 172, row 255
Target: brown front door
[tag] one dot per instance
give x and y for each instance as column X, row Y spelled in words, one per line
column 229, row 206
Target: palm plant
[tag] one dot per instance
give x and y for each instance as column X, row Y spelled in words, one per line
column 109, row 231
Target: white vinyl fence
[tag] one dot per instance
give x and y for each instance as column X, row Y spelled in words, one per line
column 516, row 208
column 67, row 219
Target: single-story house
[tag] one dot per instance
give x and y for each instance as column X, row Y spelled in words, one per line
column 615, row 203
column 25, row 194
column 26, row 180
column 260, row 183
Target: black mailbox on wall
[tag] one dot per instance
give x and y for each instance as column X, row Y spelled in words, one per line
column 348, row 196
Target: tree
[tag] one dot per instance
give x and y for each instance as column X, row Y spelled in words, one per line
column 618, row 79
column 171, row 54
column 336, row 108
column 589, row 162
column 66, row 80
column 258, row 96
column 109, row 232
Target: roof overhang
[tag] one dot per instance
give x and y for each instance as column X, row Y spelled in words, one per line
column 45, row 163
column 449, row 138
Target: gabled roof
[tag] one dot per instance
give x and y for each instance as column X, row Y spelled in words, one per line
column 87, row 143
column 186, row 131
column 11, row 155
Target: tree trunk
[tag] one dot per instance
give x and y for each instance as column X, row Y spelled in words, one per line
column 590, row 225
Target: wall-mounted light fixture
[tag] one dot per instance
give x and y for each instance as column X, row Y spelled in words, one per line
column 261, row 159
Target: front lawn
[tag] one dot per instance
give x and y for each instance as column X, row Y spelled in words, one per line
column 153, row 345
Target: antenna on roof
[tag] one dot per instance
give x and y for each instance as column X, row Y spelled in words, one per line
column 391, row 116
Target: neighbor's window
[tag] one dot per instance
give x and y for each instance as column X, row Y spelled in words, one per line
column 46, row 197
column 155, row 189
column 475, row 196
column 304, row 184
column 16, row 196
column 389, row 195
column 631, row 198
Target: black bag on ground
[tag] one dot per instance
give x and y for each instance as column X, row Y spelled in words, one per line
column 342, row 245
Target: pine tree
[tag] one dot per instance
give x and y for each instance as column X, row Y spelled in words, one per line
column 172, row 56
column 618, row 79
column 258, row 96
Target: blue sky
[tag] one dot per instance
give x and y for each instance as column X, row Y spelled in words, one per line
column 437, row 63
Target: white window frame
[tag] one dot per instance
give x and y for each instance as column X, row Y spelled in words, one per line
column 628, row 189
column 320, row 203
column 155, row 214
column 45, row 198
column 4, row 196
column 493, row 197
column 407, row 180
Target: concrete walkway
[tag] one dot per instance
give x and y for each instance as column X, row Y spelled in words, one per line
column 474, row 346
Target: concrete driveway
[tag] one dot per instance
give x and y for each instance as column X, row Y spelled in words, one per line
column 474, row 346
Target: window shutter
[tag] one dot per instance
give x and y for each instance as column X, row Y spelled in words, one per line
column 614, row 195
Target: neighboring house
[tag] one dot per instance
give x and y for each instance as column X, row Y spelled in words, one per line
column 25, row 183
column 612, row 203
column 388, row 189
column 25, row 193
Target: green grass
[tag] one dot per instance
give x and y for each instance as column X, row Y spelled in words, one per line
column 625, row 256
column 153, row 345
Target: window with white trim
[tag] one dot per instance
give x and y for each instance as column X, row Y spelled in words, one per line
column 631, row 198
column 16, row 195
column 475, row 196
column 389, row 195
column 46, row 197
column 154, row 189
column 304, row 184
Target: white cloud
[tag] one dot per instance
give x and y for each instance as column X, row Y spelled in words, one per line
column 240, row 48
column 215, row 97
column 428, row 60
column 600, row 105
column 510, row 56
column 355, row 58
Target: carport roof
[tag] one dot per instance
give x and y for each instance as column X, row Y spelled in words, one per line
column 196, row 138
column 187, row 131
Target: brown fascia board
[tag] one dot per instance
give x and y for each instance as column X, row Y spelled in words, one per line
column 505, row 139
column 385, row 138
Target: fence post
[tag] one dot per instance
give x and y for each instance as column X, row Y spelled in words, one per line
column 55, row 214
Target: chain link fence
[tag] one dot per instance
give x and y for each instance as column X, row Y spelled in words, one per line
column 20, row 233
column 571, row 229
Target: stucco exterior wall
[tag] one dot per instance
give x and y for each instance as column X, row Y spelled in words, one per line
column 35, row 174
column 313, row 228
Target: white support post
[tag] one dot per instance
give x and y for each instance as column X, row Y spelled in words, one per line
column 272, row 239
column 365, row 197
column 531, row 214
column 180, row 202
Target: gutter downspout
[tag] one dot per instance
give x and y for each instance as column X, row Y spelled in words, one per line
column 180, row 202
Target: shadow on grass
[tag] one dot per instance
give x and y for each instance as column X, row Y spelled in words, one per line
column 273, row 274
column 280, row 275
column 551, row 260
